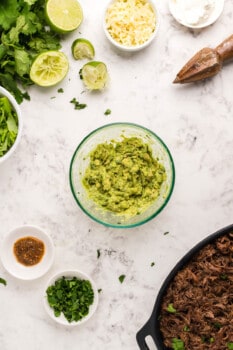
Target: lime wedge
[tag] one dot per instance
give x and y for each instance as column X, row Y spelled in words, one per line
column 94, row 75
column 49, row 68
column 64, row 16
column 82, row 48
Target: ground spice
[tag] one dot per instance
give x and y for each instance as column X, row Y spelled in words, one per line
column 29, row 250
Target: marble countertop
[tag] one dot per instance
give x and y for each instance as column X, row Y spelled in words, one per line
column 196, row 123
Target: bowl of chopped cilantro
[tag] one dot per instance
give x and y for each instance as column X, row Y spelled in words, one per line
column 122, row 175
column 71, row 297
column 10, row 124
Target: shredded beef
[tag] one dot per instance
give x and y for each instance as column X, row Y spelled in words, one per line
column 201, row 294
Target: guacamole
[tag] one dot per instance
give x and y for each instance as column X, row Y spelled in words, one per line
column 123, row 176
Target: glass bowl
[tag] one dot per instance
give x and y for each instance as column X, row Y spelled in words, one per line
column 17, row 109
column 81, row 159
column 131, row 48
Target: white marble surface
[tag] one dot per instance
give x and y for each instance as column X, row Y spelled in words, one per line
column 195, row 121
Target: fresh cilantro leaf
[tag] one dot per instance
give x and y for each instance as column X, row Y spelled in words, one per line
column 107, row 112
column 171, row 308
column 70, row 297
column 230, row 345
column 122, row 278
column 60, row 90
column 177, row 344
column 2, row 281
column 78, row 105
column 8, row 13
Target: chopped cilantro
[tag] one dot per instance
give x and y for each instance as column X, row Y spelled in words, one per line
column 99, row 290
column 186, row 329
column 60, row 90
column 71, row 297
column 78, row 105
column 230, row 345
column 171, row 309
column 2, row 281
column 121, row 278
column 107, row 112
column 152, row 264
column 211, row 340
column 8, row 125
column 98, row 253
column 166, row 233
column 177, row 344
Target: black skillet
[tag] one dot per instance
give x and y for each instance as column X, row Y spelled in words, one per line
column 151, row 328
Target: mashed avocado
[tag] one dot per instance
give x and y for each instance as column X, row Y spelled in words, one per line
column 123, row 176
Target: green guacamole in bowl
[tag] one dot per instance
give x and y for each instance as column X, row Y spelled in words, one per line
column 122, row 175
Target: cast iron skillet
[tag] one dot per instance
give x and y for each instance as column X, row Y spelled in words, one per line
column 151, row 328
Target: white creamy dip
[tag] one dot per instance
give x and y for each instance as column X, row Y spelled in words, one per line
column 193, row 12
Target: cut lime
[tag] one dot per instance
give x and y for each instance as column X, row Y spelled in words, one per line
column 64, row 16
column 82, row 48
column 94, row 75
column 49, row 68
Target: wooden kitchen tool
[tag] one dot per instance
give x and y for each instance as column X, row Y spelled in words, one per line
column 206, row 63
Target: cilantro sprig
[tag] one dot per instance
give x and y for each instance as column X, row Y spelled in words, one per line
column 24, row 34
column 71, row 297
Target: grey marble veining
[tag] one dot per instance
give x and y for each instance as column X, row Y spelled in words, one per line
column 195, row 121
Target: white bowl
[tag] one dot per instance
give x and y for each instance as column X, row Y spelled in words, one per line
column 19, row 270
column 136, row 47
column 70, row 274
column 15, row 105
column 181, row 18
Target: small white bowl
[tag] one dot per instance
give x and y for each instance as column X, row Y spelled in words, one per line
column 136, row 47
column 69, row 274
column 215, row 14
column 15, row 105
column 19, row 270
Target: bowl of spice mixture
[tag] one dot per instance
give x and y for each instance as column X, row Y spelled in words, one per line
column 194, row 308
column 27, row 252
column 122, row 175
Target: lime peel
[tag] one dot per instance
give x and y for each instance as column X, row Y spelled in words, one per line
column 94, row 75
column 49, row 68
column 82, row 48
column 64, row 16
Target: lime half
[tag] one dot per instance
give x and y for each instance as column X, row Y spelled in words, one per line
column 64, row 16
column 94, row 75
column 49, row 68
column 82, row 48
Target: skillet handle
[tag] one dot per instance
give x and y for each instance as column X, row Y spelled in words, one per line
column 143, row 333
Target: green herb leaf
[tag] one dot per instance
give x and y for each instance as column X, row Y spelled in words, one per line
column 121, row 278
column 98, row 253
column 60, row 90
column 152, row 264
column 99, row 290
column 230, row 345
column 78, row 105
column 71, row 297
column 171, row 309
column 166, row 233
column 2, row 281
column 186, row 329
column 107, row 112
column 177, row 344
column 8, row 125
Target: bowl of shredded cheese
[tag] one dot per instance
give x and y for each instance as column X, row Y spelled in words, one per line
column 131, row 25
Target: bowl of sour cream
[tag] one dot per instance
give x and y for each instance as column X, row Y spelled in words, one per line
column 196, row 13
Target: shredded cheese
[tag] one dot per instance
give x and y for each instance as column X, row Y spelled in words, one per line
column 130, row 22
